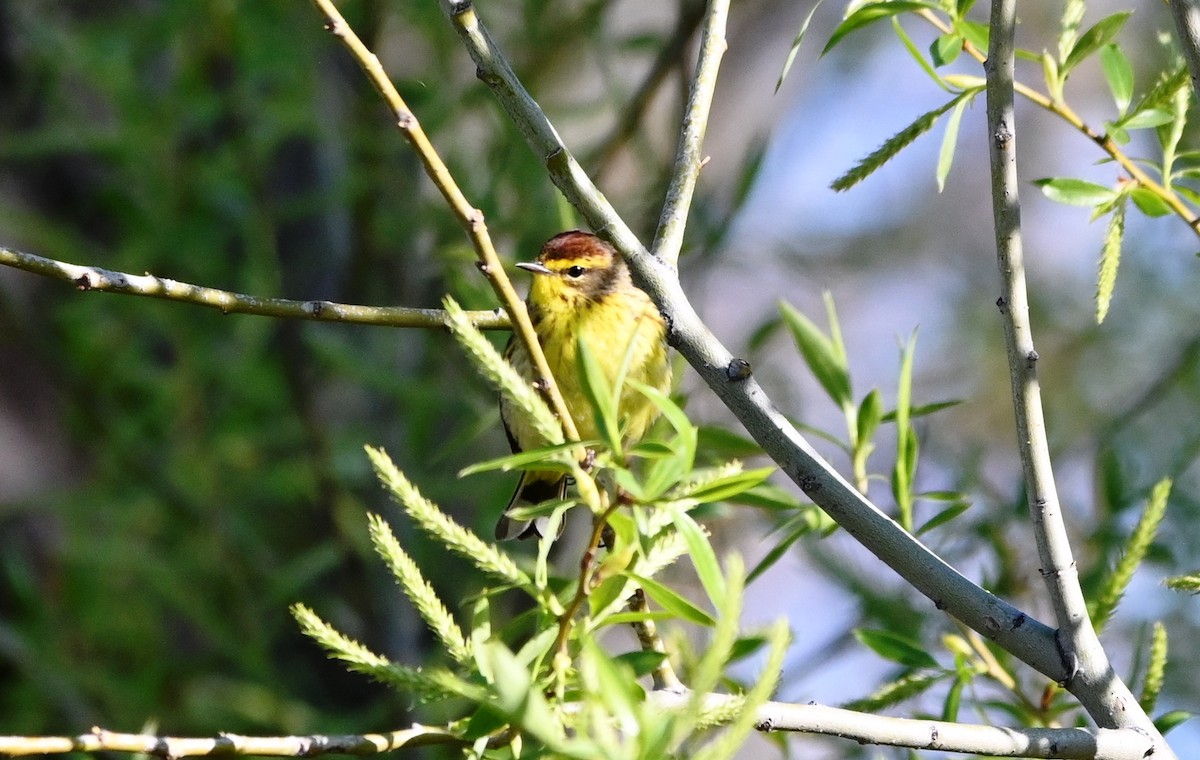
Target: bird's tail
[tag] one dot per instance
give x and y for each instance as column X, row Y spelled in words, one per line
column 534, row 488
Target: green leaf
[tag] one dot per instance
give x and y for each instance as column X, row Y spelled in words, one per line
column 795, row 528
column 1119, row 75
column 975, row 33
column 595, row 387
column 953, row 700
column 870, row 414
column 1150, row 117
column 641, row 662
column 673, row 602
column 1095, row 38
column 819, row 354
column 917, row 55
column 943, row 517
column 1110, row 259
column 791, row 56
column 1075, row 192
column 686, row 434
column 542, row 458
column 869, row 14
column 923, row 410
column 723, row 443
column 950, row 142
column 962, row 7
column 720, row 489
column 945, row 49
column 1149, row 203
column 703, row 556
column 894, row 647
column 1169, row 720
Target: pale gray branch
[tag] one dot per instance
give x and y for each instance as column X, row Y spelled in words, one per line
column 86, row 278
column 668, row 240
column 1088, row 673
column 944, row 736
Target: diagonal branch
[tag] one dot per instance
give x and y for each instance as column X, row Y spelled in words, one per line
column 1088, row 673
column 471, row 218
column 733, row 382
column 668, row 240
column 107, row 281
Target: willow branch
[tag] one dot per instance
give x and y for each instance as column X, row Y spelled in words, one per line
column 1089, row 674
column 733, row 382
column 1076, row 743
column 663, row 676
column 1187, row 27
column 668, row 240
column 470, row 217
column 86, row 278
column 100, row 740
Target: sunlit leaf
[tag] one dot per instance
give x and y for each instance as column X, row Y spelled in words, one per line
column 703, row 556
column 795, row 48
column 869, row 14
column 1101, row 33
column 1119, row 74
column 1075, row 192
column 672, row 602
column 819, row 354
column 894, row 647
column 945, row 49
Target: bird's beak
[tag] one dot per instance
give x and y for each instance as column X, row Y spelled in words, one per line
column 533, row 266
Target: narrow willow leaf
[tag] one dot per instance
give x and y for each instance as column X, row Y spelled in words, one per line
column 945, row 49
column 896, row 691
column 917, row 55
column 869, row 14
column 893, row 145
column 1147, row 118
column 1072, row 17
column 870, row 414
column 950, row 142
column 793, row 530
column 1135, row 551
column 1110, row 259
column 820, row 354
column 1119, row 74
column 953, row 700
column 1169, row 720
column 1156, row 669
column 1149, row 203
column 943, row 517
column 672, row 602
column 791, row 56
column 1075, row 192
column 599, row 394
column 703, row 556
column 974, row 32
column 896, row 648
column 1101, row 33
column 906, row 440
column 1164, row 89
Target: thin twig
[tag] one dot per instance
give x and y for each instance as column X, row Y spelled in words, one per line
column 668, row 240
column 586, row 565
column 729, row 377
column 1088, row 673
column 470, row 217
column 87, row 278
column 663, row 676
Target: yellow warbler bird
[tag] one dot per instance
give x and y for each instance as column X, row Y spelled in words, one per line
column 582, row 291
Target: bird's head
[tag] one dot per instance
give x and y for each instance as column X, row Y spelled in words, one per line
column 576, row 267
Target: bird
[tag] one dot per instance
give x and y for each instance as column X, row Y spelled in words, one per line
column 582, row 290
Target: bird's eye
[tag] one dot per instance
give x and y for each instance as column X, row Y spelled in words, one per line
column 575, row 271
